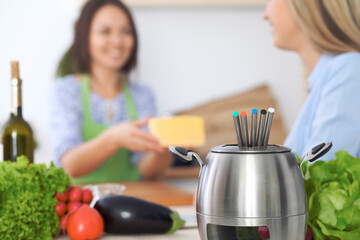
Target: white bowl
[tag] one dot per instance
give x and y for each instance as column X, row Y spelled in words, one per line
column 104, row 189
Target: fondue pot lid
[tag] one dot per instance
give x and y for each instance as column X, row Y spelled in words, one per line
column 234, row 148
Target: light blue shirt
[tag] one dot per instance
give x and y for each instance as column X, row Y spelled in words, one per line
column 332, row 109
column 66, row 113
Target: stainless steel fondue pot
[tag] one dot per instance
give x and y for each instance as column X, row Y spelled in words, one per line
column 243, row 188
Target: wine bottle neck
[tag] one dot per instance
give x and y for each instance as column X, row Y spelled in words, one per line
column 16, row 105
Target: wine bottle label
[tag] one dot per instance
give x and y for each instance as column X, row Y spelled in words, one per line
column 15, row 94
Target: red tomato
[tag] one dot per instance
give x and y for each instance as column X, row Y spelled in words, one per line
column 85, row 224
column 308, row 234
column 60, row 209
column 63, row 221
column 75, row 194
column 72, row 206
column 264, row 232
column 87, row 196
column 63, row 196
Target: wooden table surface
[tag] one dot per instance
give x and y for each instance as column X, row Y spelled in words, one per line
column 158, row 192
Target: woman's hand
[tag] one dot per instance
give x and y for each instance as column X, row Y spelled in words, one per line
column 130, row 135
column 154, row 163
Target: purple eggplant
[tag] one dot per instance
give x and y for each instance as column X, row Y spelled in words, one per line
column 130, row 215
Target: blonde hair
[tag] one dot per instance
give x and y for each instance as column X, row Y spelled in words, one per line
column 333, row 26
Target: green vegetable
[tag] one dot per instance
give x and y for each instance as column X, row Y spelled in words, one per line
column 27, row 199
column 333, row 195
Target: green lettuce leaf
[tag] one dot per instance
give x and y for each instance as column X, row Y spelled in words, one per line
column 27, row 199
column 333, row 196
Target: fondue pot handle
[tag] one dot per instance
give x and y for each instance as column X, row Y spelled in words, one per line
column 317, row 152
column 185, row 154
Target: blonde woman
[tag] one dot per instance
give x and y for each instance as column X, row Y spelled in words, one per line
column 326, row 35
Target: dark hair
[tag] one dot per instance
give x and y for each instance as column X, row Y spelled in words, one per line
column 78, row 54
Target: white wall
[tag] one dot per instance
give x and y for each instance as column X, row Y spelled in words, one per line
column 187, row 55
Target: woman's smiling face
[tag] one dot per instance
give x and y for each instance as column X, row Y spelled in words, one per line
column 286, row 32
column 111, row 39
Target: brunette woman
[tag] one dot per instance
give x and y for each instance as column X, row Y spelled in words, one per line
column 99, row 117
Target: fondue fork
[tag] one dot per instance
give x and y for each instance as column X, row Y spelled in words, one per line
column 254, row 113
column 268, row 126
column 260, row 135
column 237, row 128
column 244, row 129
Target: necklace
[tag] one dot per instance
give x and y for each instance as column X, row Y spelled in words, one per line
column 97, row 86
column 109, row 111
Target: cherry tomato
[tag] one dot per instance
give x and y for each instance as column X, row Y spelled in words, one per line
column 60, row 209
column 63, row 221
column 85, row 224
column 75, row 194
column 264, row 232
column 63, row 196
column 308, row 234
column 87, row 196
column 72, row 206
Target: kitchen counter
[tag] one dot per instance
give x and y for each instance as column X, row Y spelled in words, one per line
column 174, row 191
column 182, row 234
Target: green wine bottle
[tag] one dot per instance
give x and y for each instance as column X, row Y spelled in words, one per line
column 17, row 136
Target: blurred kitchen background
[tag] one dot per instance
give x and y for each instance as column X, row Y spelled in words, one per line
column 191, row 52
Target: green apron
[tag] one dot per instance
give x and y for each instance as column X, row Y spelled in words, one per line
column 118, row 167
